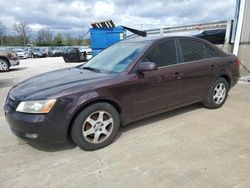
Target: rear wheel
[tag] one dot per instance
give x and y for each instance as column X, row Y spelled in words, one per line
column 217, row 94
column 96, row 126
column 4, row 66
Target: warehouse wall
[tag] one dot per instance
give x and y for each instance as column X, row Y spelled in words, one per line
column 245, row 34
column 244, row 48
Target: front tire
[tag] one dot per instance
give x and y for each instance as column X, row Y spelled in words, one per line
column 4, row 66
column 217, row 94
column 96, row 126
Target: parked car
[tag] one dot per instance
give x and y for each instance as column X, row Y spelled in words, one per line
column 57, row 52
column 29, row 52
column 21, row 53
column 38, row 53
column 8, row 58
column 75, row 55
column 128, row 81
column 88, row 52
column 216, row 36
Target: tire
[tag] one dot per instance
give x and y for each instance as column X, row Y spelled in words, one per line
column 217, row 94
column 4, row 66
column 96, row 126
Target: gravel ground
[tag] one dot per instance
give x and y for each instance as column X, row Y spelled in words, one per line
column 188, row 147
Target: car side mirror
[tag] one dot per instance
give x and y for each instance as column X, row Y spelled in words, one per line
column 146, row 66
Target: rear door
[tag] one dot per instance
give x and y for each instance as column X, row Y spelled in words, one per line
column 160, row 89
column 199, row 68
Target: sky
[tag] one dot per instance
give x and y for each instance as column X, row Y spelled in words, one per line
column 75, row 16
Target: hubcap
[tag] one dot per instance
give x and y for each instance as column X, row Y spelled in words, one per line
column 97, row 127
column 219, row 93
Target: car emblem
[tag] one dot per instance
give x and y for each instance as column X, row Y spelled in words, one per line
column 12, row 97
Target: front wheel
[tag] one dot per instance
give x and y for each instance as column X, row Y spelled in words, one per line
column 4, row 66
column 217, row 94
column 96, row 126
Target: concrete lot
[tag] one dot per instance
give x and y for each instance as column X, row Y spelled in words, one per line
column 188, row 147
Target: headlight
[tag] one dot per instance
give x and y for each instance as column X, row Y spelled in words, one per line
column 36, row 107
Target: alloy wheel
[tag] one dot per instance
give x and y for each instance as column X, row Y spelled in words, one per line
column 97, row 127
column 219, row 93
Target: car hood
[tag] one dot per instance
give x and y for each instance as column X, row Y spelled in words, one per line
column 50, row 84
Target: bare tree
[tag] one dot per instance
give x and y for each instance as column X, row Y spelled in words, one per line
column 22, row 29
column 44, row 36
column 2, row 31
column 79, row 40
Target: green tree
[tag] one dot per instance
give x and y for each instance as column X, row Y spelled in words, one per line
column 58, row 40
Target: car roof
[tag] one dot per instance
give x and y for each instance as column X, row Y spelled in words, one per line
column 150, row 39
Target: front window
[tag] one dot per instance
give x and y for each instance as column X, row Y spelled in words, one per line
column 116, row 58
column 162, row 54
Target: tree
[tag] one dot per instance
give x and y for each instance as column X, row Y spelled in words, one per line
column 86, row 42
column 79, row 41
column 2, row 32
column 58, row 41
column 22, row 30
column 69, row 40
column 44, row 37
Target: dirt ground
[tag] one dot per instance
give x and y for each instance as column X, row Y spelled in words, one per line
column 189, row 147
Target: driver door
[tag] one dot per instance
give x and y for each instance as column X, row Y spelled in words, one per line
column 160, row 89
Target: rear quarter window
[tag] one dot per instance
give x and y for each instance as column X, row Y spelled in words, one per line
column 210, row 52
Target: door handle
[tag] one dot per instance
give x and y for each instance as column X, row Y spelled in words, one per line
column 178, row 75
column 212, row 67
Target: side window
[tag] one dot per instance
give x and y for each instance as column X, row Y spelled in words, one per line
column 192, row 50
column 162, row 54
column 210, row 52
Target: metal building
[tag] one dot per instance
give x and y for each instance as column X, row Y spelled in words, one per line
column 241, row 34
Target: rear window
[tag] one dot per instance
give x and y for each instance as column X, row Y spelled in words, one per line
column 192, row 50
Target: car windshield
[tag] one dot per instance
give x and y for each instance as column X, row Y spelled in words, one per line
column 116, row 58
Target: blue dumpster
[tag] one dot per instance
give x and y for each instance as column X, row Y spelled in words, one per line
column 103, row 37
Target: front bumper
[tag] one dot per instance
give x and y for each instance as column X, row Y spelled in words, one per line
column 14, row 62
column 36, row 128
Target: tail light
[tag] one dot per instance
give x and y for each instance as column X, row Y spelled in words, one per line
column 238, row 62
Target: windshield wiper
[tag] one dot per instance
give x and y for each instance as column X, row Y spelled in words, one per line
column 91, row 69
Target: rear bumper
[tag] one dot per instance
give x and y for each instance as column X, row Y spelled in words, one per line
column 37, row 129
column 14, row 62
column 234, row 79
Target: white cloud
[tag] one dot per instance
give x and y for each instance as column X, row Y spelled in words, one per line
column 103, row 9
column 76, row 15
column 37, row 26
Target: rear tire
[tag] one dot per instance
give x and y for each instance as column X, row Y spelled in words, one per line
column 96, row 126
column 217, row 94
column 4, row 66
